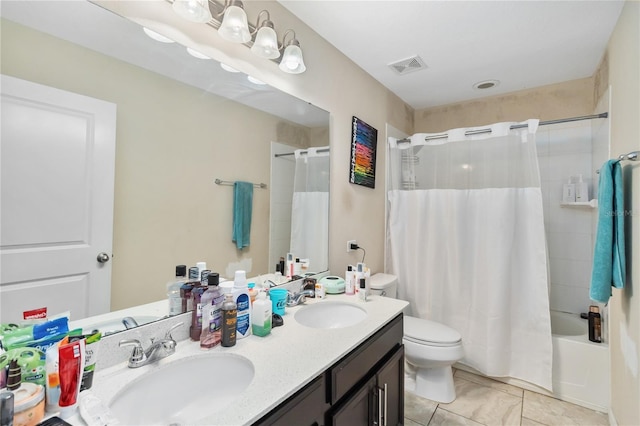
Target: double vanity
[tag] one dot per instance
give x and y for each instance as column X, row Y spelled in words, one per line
column 334, row 361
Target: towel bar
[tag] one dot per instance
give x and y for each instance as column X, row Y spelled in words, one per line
column 632, row 156
column 229, row 183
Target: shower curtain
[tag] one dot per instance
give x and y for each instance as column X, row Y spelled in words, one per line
column 310, row 209
column 465, row 236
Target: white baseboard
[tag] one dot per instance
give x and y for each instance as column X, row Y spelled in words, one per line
column 612, row 418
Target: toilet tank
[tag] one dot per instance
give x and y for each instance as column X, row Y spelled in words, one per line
column 384, row 284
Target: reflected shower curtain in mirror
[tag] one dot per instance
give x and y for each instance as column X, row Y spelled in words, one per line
column 465, row 236
column 310, row 209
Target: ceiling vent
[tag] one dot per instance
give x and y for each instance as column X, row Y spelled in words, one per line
column 415, row 63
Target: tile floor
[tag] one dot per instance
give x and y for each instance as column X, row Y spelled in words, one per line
column 482, row 401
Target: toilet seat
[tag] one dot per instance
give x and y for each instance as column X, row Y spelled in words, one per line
column 425, row 332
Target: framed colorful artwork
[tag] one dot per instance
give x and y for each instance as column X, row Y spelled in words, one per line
column 364, row 140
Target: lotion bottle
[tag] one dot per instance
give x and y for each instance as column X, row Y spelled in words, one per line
column 582, row 191
column 362, row 290
column 569, row 192
column 289, row 266
column 349, row 281
column 261, row 315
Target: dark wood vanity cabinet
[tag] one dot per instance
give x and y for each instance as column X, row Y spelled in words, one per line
column 366, row 387
column 378, row 401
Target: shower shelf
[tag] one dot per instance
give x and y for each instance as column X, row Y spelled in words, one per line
column 588, row 205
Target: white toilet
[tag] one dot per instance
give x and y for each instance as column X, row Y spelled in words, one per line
column 430, row 348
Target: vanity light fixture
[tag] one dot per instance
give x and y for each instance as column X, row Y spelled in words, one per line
column 156, row 36
column 266, row 43
column 234, row 26
column 292, row 61
column 193, row 10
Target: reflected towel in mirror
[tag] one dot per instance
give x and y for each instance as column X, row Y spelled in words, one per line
column 242, row 209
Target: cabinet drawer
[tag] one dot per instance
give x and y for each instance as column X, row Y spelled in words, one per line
column 357, row 365
column 307, row 407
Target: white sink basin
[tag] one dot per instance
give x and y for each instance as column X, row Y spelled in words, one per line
column 330, row 315
column 183, row 391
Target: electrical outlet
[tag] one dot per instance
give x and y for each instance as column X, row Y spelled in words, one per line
column 349, row 245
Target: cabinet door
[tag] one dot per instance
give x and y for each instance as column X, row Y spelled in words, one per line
column 390, row 391
column 357, row 410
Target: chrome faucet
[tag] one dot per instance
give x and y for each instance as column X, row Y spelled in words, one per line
column 159, row 349
column 296, row 299
column 129, row 322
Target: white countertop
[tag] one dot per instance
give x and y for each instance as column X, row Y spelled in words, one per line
column 284, row 361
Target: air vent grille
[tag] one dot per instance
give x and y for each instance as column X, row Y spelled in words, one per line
column 405, row 66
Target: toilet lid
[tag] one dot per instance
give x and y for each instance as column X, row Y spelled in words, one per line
column 424, row 331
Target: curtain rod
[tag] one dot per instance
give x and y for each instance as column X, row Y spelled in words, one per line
column 515, row 126
column 304, row 152
column 229, row 183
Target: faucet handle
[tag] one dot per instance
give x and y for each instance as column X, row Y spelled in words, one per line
column 173, row 327
column 138, row 353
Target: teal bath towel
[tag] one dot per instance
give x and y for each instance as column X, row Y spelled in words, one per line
column 242, row 209
column 609, row 263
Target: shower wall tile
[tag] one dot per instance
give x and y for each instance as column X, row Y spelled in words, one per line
column 542, row 142
column 567, row 219
column 565, row 150
column 571, row 140
column 570, row 272
column 562, row 166
column 568, row 298
column 570, row 245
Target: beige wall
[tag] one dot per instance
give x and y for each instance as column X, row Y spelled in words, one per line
column 624, row 78
column 172, row 142
column 568, row 99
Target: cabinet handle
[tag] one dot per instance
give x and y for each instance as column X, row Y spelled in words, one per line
column 380, row 407
column 385, row 405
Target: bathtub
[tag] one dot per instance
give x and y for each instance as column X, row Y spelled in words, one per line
column 580, row 367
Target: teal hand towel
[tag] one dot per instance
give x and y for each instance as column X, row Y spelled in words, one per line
column 609, row 262
column 242, row 209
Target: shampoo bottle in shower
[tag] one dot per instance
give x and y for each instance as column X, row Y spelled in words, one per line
column 569, row 192
column 595, row 324
column 582, row 191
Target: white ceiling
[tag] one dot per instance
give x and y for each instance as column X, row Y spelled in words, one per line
column 523, row 44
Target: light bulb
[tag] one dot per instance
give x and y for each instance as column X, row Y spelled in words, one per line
column 234, row 25
column 292, row 61
column 266, row 44
column 193, row 10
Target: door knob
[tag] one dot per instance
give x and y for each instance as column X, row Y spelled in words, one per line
column 103, row 257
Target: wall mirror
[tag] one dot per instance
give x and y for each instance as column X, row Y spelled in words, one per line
column 182, row 122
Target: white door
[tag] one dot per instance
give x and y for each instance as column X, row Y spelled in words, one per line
column 57, row 162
